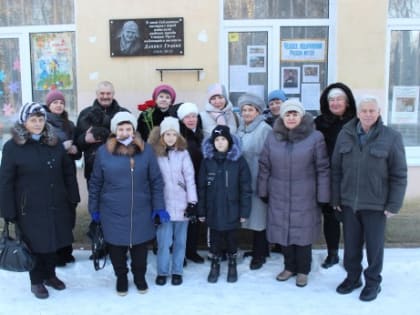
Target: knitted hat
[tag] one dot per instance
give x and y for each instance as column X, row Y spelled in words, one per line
column 121, row 117
column 217, row 89
column 336, row 92
column 186, row 109
column 30, row 109
column 166, row 89
column 292, row 106
column 54, row 95
column 223, row 131
column 253, row 100
column 277, row 95
column 169, row 123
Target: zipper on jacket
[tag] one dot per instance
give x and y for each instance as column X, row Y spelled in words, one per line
column 132, row 200
column 226, row 178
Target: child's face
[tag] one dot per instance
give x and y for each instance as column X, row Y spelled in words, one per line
column 170, row 137
column 124, row 131
column 163, row 100
column 221, row 144
column 274, row 106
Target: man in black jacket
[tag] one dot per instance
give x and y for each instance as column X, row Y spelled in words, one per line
column 369, row 179
column 93, row 124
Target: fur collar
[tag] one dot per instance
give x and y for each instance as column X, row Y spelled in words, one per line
column 116, row 148
column 20, row 135
column 305, row 128
column 233, row 154
column 160, row 147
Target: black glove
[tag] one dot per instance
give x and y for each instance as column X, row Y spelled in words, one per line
column 191, row 212
column 10, row 220
column 264, row 199
column 326, row 208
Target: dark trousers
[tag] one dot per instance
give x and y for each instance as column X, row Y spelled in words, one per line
column 297, row 259
column 44, row 267
column 260, row 246
column 193, row 233
column 138, row 253
column 364, row 227
column 219, row 240
column 331, row 228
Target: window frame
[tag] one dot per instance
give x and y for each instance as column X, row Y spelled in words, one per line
column 399, row 24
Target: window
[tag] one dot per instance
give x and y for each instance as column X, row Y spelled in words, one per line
column 36, row 12
column 404, row 77
column 275, row 9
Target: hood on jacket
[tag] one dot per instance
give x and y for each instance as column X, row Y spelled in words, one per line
column 159, row 146
column 114, row 147
column 233, row 154
column 20, row 135
column 305, row 128
column 323, row 101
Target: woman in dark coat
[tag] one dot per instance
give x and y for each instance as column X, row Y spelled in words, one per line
column 337, row 108
column 64, row 129
column 294, row 178
column 125, row 188
column 38, row 190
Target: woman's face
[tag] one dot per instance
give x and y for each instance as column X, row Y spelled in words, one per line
column 274, row 106
column 249, row 113
column 170, row 137
column 190, row 121
column 163, row 101
column 337, row 105
column 35, row 124
column 292, row 120
column 218, row 101
column 124, row 131
column 57, row 107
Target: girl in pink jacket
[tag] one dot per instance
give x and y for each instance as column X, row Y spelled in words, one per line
column 180, row 198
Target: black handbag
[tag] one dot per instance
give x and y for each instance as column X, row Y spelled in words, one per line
column 98, row 245
column 14, row 253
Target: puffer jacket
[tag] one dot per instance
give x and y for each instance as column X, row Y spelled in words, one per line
column 224, row 187
column 372, row 177
column 294, row 174
column 125, row 187
column 178, row 175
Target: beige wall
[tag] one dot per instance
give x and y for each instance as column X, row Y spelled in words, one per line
column 135, row 77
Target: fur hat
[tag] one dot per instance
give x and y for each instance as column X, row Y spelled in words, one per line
column 169, row 123
column 277, row 95
column 30, row 109
column 122, row 117
column 217, row 89
column 253, row 100
column 292, row 106
column 54, row 95
column 336, row 92
column 166, row 89
column 223, row 131
column 186, row 109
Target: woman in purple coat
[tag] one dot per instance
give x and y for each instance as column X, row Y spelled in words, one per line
column 294, row 178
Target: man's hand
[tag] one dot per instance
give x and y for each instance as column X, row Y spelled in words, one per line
column 388, row 214
column 89, row 138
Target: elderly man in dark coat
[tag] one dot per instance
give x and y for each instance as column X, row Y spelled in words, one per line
column 369, row 179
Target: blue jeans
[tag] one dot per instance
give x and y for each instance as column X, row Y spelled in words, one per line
column 173, row 233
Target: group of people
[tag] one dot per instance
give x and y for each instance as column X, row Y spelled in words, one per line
column 274, row 171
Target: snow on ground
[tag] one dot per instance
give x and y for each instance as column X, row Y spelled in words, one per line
column 256, row 292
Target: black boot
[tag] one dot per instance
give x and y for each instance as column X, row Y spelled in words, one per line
column 214, row 270
column 232, row 275
column 331, row 259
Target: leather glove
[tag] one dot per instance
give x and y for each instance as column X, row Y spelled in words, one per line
column 96, row 217
column 160, row 216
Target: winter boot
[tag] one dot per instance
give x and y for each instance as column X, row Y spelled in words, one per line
column 214, row 270
column 232, row 275
column 331, row 259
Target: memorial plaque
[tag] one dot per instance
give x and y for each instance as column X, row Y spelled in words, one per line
column 147, row 37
